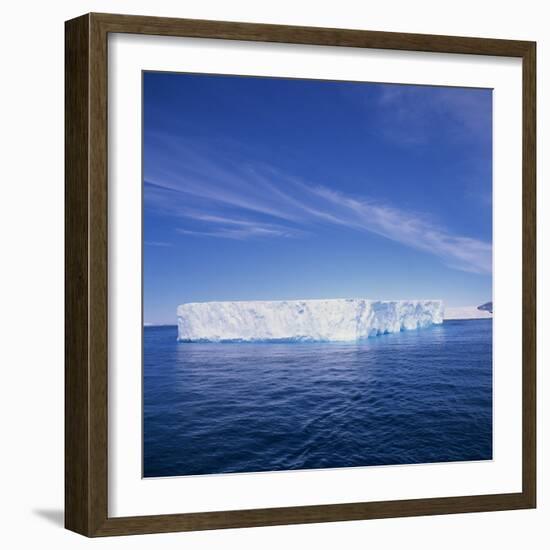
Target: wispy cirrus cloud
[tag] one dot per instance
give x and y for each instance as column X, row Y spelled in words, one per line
column 237, row 234
column 457, row 251
column 238, row 229
column 411, row 117
column 214, row 197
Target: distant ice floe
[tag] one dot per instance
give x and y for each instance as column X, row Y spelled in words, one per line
column 338, row 320
column 467, row 312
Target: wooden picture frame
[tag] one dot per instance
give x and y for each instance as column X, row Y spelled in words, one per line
column 86, row 359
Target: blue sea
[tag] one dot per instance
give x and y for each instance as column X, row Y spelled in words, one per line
column 417, row 396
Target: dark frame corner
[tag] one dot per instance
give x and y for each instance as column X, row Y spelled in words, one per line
column 86, row 510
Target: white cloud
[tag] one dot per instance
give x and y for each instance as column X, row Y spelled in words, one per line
column 228, row 200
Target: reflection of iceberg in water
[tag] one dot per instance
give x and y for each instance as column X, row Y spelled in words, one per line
column 336, row 320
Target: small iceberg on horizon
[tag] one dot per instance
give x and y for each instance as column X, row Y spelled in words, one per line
column 331, row 320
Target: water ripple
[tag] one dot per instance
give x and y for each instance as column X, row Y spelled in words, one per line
column 412, row 397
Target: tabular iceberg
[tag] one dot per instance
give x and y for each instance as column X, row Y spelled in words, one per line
column 303, row 320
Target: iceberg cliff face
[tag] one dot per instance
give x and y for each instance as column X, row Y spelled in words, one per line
column 302, row 320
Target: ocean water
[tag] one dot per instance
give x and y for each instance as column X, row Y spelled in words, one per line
column 417, row 396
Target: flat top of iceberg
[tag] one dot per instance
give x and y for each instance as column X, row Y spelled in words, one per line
column 313, row 301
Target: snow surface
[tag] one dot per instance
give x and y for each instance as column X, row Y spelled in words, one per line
column 303, row 320
column 466, row 312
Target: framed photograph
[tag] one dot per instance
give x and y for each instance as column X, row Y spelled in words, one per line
column 300, row 275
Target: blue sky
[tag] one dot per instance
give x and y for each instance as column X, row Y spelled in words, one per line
column 267, row 188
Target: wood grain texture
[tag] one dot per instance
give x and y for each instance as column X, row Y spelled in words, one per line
column 166, row 26
column 86, row 258
column 77, row 153
column 310, row 514
column 98, row 275
column 529, row 274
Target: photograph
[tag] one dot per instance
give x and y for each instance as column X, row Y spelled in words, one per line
column 317, row 274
